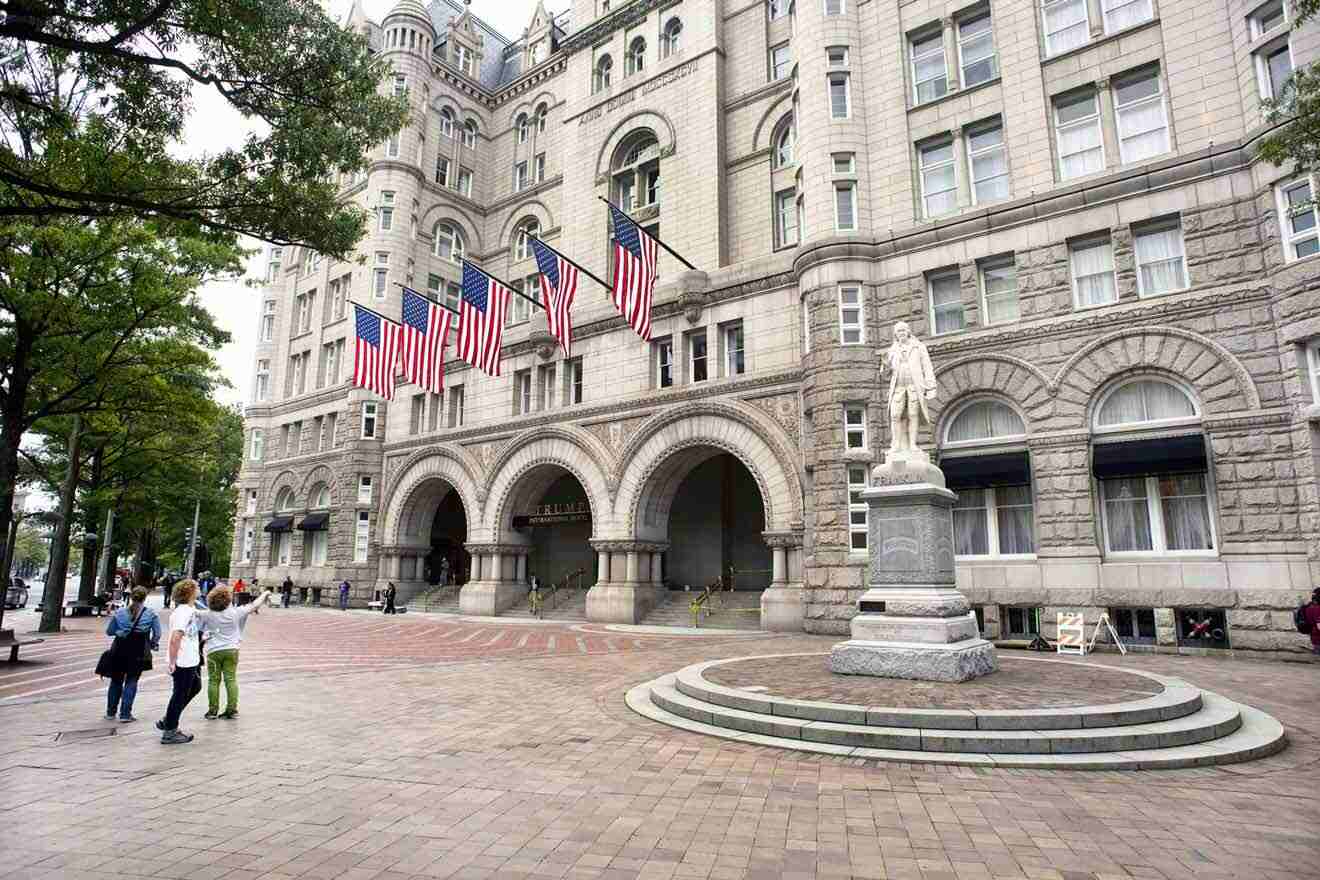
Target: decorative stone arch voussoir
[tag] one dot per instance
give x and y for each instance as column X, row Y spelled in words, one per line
column 736, row 428
column 533, row 208
column 284, row 480
column 769, row 121
column 453, row 466
column 319, row 474
column 1019, row 382
column 659, row 124
column 1200, row 362
column 564, row 446
column 471, row 230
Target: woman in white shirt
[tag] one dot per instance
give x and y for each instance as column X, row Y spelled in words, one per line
column 185, row 662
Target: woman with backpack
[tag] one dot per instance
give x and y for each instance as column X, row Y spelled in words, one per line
column 136, row 633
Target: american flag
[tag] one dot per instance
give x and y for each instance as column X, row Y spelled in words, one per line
column 635, row 255
column 425, row 331
column 559, row 281
column 481, row 314
column 376, row 352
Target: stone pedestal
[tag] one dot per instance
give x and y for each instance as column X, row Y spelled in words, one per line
column 913, row 622
column 622, row 603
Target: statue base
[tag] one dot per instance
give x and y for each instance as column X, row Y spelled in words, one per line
column 913, row 623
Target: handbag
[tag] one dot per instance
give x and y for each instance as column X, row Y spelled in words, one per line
column 111, row 661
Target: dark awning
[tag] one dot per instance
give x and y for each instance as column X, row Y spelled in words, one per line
column 972, row 471
column 315, row 522
column 1157, row 455
column 280, row 524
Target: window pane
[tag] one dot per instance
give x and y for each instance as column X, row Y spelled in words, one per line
column 1120, row 14
column 1145, row 401
column 1093, row 268
column 1127, row 518
column 1065, row 25
column 1013, row 516
column 971, row 532
column 1160, row 258
column 946, row 301
column 1280, row 68
column 1186, row 513
column 1001, row 293
column 983, row 420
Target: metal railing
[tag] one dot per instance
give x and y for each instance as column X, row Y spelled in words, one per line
column 537, row 599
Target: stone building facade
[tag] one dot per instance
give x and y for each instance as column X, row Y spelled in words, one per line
column 1061, row 197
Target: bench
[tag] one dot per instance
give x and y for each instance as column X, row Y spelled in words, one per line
column 7, row 640
column 380, row 606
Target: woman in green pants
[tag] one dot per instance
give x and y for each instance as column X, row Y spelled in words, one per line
column 223, row 626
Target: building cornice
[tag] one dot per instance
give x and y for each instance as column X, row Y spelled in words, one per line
column 600, row 29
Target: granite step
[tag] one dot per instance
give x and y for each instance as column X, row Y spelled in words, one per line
column 568, row 606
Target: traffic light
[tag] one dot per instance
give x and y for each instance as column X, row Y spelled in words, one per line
column 187, row 539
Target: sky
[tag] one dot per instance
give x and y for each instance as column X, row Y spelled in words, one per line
column 214, row 125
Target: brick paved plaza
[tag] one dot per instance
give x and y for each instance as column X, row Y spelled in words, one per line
column 431, row 746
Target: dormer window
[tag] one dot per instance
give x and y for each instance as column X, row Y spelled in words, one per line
column 463, row 55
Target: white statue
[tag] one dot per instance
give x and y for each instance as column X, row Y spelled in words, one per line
column 910, row 386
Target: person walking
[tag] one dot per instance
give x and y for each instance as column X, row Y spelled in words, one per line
column 136, row 633
column 390, row 594
column 1310, row 613
column 286, row 591
column 344, row 589
column 185, row 661
column 223, row 626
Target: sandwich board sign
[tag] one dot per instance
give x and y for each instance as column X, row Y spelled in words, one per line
column 1113, row 634
column 1072, row 633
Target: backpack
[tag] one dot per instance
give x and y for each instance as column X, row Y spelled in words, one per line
column 1299, row 620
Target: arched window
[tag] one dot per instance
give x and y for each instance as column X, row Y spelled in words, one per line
column 522, row 127
column 447, row 122
column 994, row 514
column 448, row 242
column 522, row 246
column 320, row 497
column 541, row 113
column 785, row 138
column 284, row 501
column 1155, row 491
column 470, row 134
column 601, row 78
column 636, row 171
column 281, row 542
column 636, row 59
column 671, row 37
column 315, row 527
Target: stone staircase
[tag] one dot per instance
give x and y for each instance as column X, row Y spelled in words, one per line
column 443, row 600
column 740, row 609
column 1183, row 726
column 568, row 604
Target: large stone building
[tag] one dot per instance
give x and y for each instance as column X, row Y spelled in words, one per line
column 1061, row 197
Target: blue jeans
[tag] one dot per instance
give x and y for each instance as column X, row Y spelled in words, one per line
column 123, row 690
column 343, row 601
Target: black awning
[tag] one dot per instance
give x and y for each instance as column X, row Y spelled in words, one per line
column 973, row 471
column 315, row 522
column 280, row 524
column 1157, row 455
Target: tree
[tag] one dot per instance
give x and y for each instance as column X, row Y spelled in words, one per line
column 1296, row 140
column 29, row 549
column 95, row 94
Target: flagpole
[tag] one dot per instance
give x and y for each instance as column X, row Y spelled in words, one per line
column 424, row 296
column 675, row 254
column 511, row 288
column 358, row 305
column 580, row 268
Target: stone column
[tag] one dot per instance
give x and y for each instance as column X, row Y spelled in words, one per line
column 602, row 566
column 780, row 567
column 496, row 567
column 631, row 575
column 520, row 574
column 781, row 605
column 656, row 570
column 490, row 593
column 631, row 599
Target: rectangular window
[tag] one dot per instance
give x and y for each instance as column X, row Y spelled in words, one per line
column 381, row 276
column 522, row 392
column 839, row 103
column 442, row 171
column 1313, row 365
column 1267, row 18
column 435, row 406
column 369, row 409
column 1093, row 273
column 1167, row 513
column 263, row 379
column 1297, row 220
column 251, row 502
column 465, row 182
column 1161, row 263
column 1066, row 25
column 735, row 355
column 392, row 147
column 1275, row 67
column 836, row 57
column 994, row 521
column 976, row 50
column 456, row 406
column 999, row 289
column 301, row 380
column 331, row 429
column 417, row 414
column 285, row 452
column 845, row 207
column 268, row 321
column 364, row 490
column 946, row 304
column 988, row 161
column 806, row 326
column 930, row 75
column 258, row 444
column 361, row 536
column 341, row 300
column 400, row 85
column 540, row 168
column 939, row 185
column 573, row 380
column 1021, row 623
column 1121, row 14
column 249, row 537
column 844, row 163
column 1143, row 125
column 664, row 362
column 545, row 391
column 1077, row 128
column 833, row 7
column 858, row 510
column 520, row 177
column 781, row 61
column 309, row 310
column 778, row 8
column 332, row 359
column 697, row 362
column 850, row 315
column 786, row 227
column 854, row 428
column 318, row 429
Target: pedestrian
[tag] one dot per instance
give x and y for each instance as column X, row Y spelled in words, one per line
column 240, row 592
column 223, row 626
column 444, row 571
column 390, row 594
column 185, row 661
column 136, row 633
column 1310, row 613
column 286, row 591
column 344, row 589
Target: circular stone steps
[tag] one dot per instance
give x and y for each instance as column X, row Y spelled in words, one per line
column 1182, row 726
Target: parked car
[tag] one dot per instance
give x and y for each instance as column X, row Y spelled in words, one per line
column 17, row 597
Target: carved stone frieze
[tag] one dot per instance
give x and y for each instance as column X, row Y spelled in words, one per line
column 783, row 408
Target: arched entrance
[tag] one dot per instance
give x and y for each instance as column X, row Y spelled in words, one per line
column 448, row 563
column 714, row 519
column 558, row 528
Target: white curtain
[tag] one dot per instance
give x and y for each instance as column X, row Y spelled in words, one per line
column 937, row 180
column 1186, row 513
column 1001, row 294
column 1127, row 518
column 984, row 420
column 1013, row 508
column 971, row 533
column 930, row 70
column 1160, row 256
column 946, row 297
column 1165, row 401
column 1065, row 25
column 1093, row 268
column 1081, row 148
column 1144, row 130
column 990, row 171
column 1120, row 14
